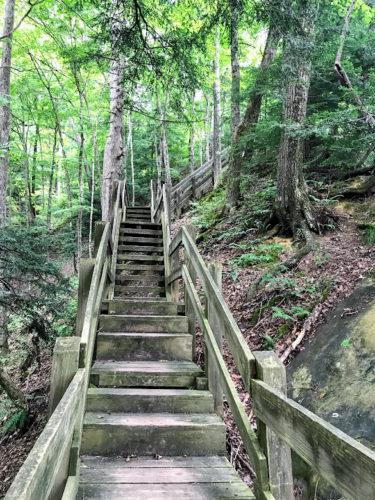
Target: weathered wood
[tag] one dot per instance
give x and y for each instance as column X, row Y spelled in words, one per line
column 189, row 307
column 342, row 461
column 98, row 232
column 45, row 468
column 242, row 355
column 271, row 371
column 64, row 366
column 175, row 275
column 86, row 268
column 248, row 436
column 215, row 269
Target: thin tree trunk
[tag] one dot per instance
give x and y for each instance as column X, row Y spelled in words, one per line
column 113, row 150
column 50, row 186
column 94, row 153
column 235, row 68
column 192, row 141
column 207, row 122
column 293, row 206
column 250, row 118
column 217, row 112
column 6, row 59
column 158, row 167
column 33, row 174
column 164, row 145
column 132, row 157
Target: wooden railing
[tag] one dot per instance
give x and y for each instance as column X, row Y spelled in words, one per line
column 52, row 467
column 282, row 423
column 192, row 187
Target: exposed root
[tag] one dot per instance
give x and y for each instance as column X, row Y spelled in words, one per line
column 365, row 188
column 306, row 327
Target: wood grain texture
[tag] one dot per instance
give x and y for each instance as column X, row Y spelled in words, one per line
column 342, row 461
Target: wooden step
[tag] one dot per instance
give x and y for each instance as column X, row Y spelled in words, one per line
column 233, row 490
column 154, row 290
column 169, row 434
column 145, row 210
column 140, row 267
column 145, row 278
column 139, row 257
column 140, row 400
column 166, row 374
column 141, row 232
column 137, row 240
column 139, row 248
column 135, row 346
column 152, row 307
column 137, row 216
column 142, row 224
column 144, row 324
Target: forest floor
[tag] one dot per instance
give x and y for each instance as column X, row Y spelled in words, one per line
column 295, row 302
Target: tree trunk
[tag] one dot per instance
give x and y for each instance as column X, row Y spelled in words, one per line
column 33, row 174
column 192, row 140
column 158, row 167
column 131, row 157
column 6, row 60
column 113, row 150
column 207, row 123
column 50, row 186
column 14, row 393
column 293, row 207
column 250, row 118
column 235, row 68
column 217, row 112
column 164, row 145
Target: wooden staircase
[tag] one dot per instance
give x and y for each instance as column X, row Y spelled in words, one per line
column 150, row 431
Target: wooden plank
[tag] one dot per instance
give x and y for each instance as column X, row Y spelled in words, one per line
column 163, row 462
column 161, row 475
column 176, row 242
column 242, row 355
column 175, row 275
column 248, row 436
column 272, row 371
column 342, row 461
column 237, row 491
column 37, row 476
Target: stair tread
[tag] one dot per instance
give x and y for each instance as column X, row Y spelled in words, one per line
column 152, row 419
column 146, row 367
column 150, row 462
column 149, row 391
column 131, row 256
column 141, row 222
column 144, row 334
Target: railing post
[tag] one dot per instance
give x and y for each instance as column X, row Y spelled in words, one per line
column 189, row 309
column 86, row 267
column 216, row 271
column 98, row 231
column 271, row 371
column 64, row 367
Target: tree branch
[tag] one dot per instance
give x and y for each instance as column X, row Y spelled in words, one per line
column 32, row 5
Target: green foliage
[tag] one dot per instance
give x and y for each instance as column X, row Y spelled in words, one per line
column 262, row 255
column 368, row 232
column 34, row 287
column 209, row 211
column 11, row 416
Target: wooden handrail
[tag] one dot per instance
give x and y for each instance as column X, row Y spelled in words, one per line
column 344, row 462
column 248, row 436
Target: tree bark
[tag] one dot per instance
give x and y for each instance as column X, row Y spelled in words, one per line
column 250, row 118
column 192, row 141
column 164, row 145
column 14, row 393
column 292, row 201
column 217, row 112
column 207, row 123
column 113, row 150
column 131, row 157
column 235, row 68
column 50, row 186
column 6, row 59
